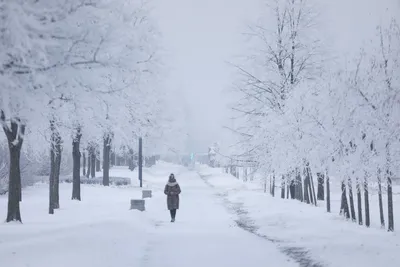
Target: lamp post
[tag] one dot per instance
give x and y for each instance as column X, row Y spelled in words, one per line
column 140, row 159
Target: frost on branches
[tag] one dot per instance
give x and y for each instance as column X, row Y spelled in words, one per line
column 300, row 118
column 77, row 72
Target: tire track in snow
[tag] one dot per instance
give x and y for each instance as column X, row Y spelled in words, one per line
column 299, row 254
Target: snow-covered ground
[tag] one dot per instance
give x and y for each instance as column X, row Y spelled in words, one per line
column 101, row 231
column 221, row 222
column 327, row 239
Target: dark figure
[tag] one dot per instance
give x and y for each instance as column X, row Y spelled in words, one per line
column 172, row 190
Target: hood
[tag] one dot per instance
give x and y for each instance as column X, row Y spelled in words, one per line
column 172, row 181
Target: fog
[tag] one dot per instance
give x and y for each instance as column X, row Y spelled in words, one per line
column 200, row 36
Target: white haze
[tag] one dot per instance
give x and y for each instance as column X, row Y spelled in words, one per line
column 200, row 36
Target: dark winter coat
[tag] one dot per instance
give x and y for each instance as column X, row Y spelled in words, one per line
column 172, row 190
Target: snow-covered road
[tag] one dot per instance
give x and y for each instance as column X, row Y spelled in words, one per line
column 101, row 231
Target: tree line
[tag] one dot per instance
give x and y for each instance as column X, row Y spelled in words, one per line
column 87, row 72
column 300, row 112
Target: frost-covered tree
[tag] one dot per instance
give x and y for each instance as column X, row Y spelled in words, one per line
column 338, row 119
column 287, row 56
column 73, row 70
column 23, row 44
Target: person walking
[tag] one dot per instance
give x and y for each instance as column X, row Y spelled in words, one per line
column 172, row 190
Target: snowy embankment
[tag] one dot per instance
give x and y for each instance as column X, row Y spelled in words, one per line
column 328, row 238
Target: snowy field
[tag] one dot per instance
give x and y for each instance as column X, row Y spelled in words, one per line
column 221, row 222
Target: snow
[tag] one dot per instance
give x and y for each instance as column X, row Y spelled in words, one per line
column 102, row 231
column 328, row 238
column 221, row 222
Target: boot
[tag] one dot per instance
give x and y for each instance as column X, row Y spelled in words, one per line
column 173, row 214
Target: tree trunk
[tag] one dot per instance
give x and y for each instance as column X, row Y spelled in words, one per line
column 106, row 159
column 306, row 187
column 287, row 190
column 76, row 155
column 390, row 202
column 382, row 217
column 84, row 162
column 88, row 163
column 51, row 179
column 359, row 201
column 273, row 185
column 53, row 167
column 57, row 180
column 320, row 190
column 328, row 194
column 389, row 189
column 97, row 159
column 312, row 187
column 15, row 137
column 14, row 185
column 58, row 150
column 296, row 187
column 292, row 186
column 283, row 187
column 366, row 199
column 310, row 194
column 270, row 185
column 344, row 206
column 92, row 163
column 299, row 186
column 351, row 199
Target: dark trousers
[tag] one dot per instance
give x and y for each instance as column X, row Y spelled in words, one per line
column 173, row 213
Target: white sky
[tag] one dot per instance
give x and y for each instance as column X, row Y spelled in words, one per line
column 200, row 35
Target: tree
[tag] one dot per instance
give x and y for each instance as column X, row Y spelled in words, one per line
column 22, row 49
column 52, row 69
column 293, row 109
column 287, row 57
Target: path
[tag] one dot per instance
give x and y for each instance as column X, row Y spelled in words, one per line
column 205, row 234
